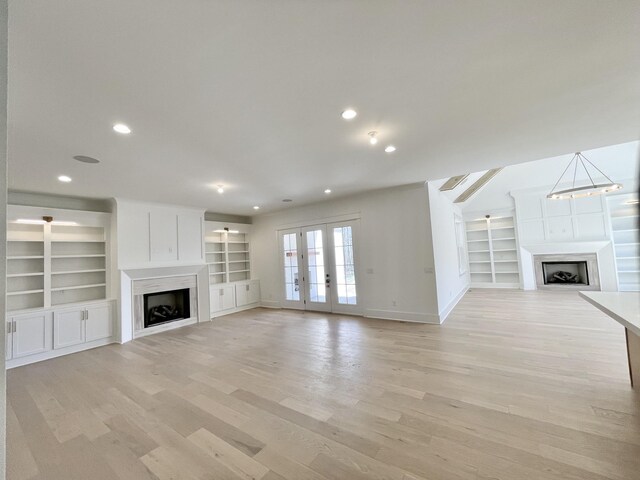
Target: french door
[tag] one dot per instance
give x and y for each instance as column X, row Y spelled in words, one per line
column 319, row 268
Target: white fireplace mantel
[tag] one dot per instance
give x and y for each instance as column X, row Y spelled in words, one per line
column 129, row 278
column 602, row 249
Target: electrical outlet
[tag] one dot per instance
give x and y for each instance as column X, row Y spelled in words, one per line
column 369, row 270
column 393, row 302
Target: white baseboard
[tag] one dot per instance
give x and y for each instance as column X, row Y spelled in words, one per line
column 416, row 317
column 270, row 304
column 39, row 357
column 447, row 310
column 222, row 313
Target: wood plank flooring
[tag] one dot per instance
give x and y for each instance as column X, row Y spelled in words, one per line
column 515, row 385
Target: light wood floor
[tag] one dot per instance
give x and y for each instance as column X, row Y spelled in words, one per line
column 515, row 385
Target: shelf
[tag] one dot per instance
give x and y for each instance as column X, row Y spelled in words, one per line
column 500, row 239
column 232, row 241
column 239, row 261
column 78, row 287
column 67, row 272
column 239, row 271
column 33, row 274
column 479, row 261
column 24, row 292
column 479, row 251
column 216, row 263
column 217, row 273
column 483, row 240
column 502, row 228
column 238, row 251
column 626, row 244
column 626, row 230
column 25, row 240
column 25, row 257
column 508, row 273
column 96, row 255
column 504, row 250
column 77, row 241
column 505, row 261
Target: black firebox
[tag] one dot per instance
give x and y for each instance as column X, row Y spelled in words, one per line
column 163, row 307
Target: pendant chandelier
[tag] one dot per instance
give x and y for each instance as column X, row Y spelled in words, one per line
column 587, row 189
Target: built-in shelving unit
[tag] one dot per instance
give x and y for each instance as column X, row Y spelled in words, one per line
column 493, row 254
column 227, row 255
column 625, row 226
column 50, row 265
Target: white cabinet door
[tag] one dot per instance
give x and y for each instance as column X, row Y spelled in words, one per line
column 68, row 327
column 247, row 293
column 222, row 298
column 242, row 294
column 8, row 354
column 31, row 334
column 228, row 298
column 190, row 246
column 98, row 323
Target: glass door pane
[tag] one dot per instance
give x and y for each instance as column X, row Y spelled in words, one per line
column 292, row 290
column 316, row 280
column 345, row 277
column 291, row 264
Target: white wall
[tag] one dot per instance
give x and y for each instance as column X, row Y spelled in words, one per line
column 3, row 223
column 395, row 275
column 450, row 284
column 155, row 235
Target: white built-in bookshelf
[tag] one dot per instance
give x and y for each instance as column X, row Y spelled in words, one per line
column 493, row 254
column 227, row 255
column 625, row 226
column 50, row 265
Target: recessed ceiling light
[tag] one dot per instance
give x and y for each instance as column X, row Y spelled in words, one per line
column 256, row 207
column 390, row 149
column 373, row 137
column 287, row 200
column 349, row 114
column 64, row 178
column 121, row 128
column 327, row 191
column 220, row 189
column 85, row 159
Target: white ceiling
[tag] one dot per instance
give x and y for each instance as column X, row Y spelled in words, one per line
column 249, row 93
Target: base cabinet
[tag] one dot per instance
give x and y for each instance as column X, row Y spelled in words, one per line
column 36, row 336
column 68, row 328
column 222, row 298
column 31, row 334
column 247, row 293
column 230, row 298
column 98, row 323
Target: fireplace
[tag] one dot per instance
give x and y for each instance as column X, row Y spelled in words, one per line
column 163, row 303
column 167, row 306
column 567, row 271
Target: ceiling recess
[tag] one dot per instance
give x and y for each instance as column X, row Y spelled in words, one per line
column 477, row 185
column 86, row 159
column 453, row 182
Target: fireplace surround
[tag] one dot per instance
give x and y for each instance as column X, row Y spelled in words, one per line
column 567, row 271
column 164, row 302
